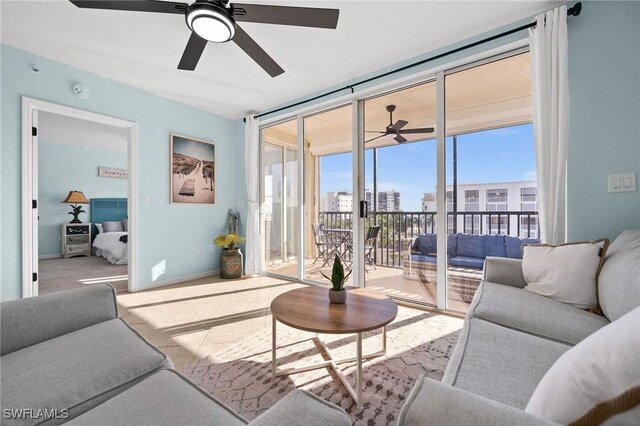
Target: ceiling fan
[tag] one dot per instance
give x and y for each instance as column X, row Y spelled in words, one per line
column 397, row 128
column 216, row 21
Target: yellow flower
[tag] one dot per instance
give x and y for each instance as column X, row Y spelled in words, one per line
column 228, row 240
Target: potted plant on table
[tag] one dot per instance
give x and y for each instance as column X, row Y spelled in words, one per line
column 337, row 293
column 230, row 256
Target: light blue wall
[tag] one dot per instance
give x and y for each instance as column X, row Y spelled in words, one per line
column 169, row 235
column 63, row 168
column 604, row 82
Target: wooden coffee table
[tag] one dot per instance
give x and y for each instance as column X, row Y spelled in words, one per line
column 309, row 309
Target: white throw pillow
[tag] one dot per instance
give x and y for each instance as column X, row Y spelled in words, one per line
column 99, row 226
column 567, row 273
column 596, row 379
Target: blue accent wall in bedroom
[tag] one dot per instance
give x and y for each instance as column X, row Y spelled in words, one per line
column 63, row 168
column 173, row 240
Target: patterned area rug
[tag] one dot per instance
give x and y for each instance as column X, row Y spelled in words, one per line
column 417, row 343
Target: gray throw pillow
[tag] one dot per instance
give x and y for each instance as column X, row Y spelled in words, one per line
column 113, row 226
column 125, row 225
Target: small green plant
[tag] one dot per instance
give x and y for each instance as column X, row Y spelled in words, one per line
column 75, row 211
column 337, row 275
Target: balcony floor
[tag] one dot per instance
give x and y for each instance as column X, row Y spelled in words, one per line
column 383, row 279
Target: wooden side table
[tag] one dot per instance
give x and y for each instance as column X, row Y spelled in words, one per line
column 76, row 239
column 309, row 309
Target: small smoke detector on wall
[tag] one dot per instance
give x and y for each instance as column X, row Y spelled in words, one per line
column 34, row 68
column 81, row 91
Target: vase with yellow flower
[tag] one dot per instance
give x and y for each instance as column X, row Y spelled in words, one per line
column 230, row 256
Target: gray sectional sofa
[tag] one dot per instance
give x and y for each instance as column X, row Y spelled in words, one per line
column 68, row 358
column 511, row 337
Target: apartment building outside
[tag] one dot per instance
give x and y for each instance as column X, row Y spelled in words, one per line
column 482, row 199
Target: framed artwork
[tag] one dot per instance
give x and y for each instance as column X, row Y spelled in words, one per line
column 192, row 170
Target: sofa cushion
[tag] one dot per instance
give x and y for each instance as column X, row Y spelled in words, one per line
column 499, row 363
column 466, row 262
column 452, row 244
column 421, row 258
column 165, row 398
column 596, row 379
column 427, row 244
column 513, row 245
column 532, row 313
column 480, row 246
column 78, row 370
column 619, row 280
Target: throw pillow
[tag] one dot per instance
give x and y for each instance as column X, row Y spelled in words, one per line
column 113, row 226
column 567, row 273
column 596, row 379
column 99, row 226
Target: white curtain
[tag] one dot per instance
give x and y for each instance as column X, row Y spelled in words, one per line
column 550, row 90
column 253, row 261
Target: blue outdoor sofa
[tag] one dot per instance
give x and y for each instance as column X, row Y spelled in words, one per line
column 465, row 259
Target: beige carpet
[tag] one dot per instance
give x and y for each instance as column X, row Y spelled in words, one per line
column 417, row 343
column 65, row 274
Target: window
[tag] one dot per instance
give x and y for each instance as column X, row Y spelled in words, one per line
column 529, row 227
column 528, row 199
column 472, row 224
column 449, row 201
column 497, row 224
column 497, row 200
column 472, row 200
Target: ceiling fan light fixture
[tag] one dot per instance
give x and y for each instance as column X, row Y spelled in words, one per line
column 211, row 22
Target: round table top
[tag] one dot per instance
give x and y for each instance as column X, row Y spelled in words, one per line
column 309, row 309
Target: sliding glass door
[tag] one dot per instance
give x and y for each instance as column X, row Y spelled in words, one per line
column 406, row 187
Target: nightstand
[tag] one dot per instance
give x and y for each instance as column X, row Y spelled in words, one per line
column 76, row 239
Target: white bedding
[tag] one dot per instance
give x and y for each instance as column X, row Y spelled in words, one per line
column 109, row 246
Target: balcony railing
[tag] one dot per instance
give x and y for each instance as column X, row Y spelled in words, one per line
column 396, row 227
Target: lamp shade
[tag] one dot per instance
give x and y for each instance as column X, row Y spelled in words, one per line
column 76, row 197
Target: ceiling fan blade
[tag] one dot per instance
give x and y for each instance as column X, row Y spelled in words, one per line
column 285, row 15
column 374, row 131
column 377, row 137
column 133, row 5
column 418, row 130
column 255, row 52
column 400, row 139
column 399, row 125
column 192, row 53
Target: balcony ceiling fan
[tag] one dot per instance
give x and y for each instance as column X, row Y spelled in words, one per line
column 397, row 128
column 216, row 21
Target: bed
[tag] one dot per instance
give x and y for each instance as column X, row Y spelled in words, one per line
column 113, row 246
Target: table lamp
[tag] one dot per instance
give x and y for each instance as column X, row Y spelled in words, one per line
column 76, row 197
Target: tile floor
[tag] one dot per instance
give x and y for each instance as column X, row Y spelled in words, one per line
column 191, row 320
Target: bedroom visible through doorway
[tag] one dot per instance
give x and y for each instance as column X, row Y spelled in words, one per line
column 77, row 183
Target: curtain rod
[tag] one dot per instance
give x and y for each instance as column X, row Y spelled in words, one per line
column 572, row 11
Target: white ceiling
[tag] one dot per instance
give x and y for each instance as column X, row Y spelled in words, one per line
column 60, row 129
column 143, row 49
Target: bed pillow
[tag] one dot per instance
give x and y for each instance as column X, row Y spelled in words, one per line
column 114, row 226
column 567, row 273
column 125, row 225
column 99, row 227
column 595, row 380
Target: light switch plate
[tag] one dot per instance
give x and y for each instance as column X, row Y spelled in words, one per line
column 145, row 200
column 625, row 182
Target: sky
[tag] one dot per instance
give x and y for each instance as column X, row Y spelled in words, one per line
column 196, row 149
column 500, row 155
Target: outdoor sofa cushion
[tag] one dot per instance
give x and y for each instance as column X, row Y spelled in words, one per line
column 426, row 245
column 481, row 246
column 466, row 262
column 532, row 313
column 499, row 363
column 78, row 370
column 422, row 258
column 513, row 245
column 165, row 398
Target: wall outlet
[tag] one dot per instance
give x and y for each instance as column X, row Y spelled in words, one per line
column 625, row 182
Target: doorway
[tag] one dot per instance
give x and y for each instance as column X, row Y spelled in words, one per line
column 78, row 191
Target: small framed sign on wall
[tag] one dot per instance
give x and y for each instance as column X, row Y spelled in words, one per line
column 110, row 172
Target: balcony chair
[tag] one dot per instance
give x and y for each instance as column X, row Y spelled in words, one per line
column 322, row 243
column 369, row 246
